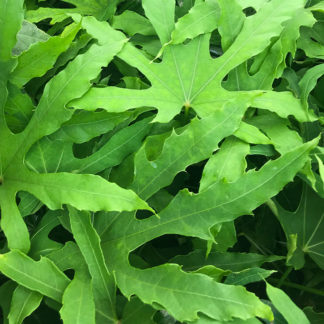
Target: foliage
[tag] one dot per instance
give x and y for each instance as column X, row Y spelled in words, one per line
column 161, row 161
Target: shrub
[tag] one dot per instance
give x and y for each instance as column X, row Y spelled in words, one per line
column 161, row 161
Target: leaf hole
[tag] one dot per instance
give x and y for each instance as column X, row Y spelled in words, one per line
column 215, row 47
column 46, row 312
column 58, row 4
column 160, row 250
column 143, row 214
column 60, row 234
column 85, row 149
column 69, row 273
column 249, row 11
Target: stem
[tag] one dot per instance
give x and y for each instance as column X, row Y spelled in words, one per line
column 253, row 243
column 299, row 287
column 284, row 276
column 186, row 112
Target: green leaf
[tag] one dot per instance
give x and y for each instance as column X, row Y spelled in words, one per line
column 175, row 86
column 194, row 217
column 202, row 18
column 28, row 35
column 12, row 223
column 320, row 169
column 308, row 223
column 130, row 167
column 227, row 200
column 312, row 41
column 247, row 276
column 84, row 125
column 135, row 312
column 314, row 317
column 78, row 304
column 6, row 291
column 50, row 113
column 11, row 16
column 285, row 306
column 207, row 320
column 132, row 23
column 161, row 17
column 41, row 56
column 102, row 281
column 99, row 9
column 269, row 64
column 308, row 82
column 218, row 301
column 256, row 4
column 200, row 138
column 41, row 244
column 18, row 109
column 228, row 164
column 42, row 276
column 68, row 257
column 230, row 22
column 23, row 303
column 232, row 261
column 55, row 153
column 250, row 134
column 279, row 131
column 83, row 191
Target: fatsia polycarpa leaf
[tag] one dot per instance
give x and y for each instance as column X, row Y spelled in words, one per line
column 175, row 86
column 56, row 189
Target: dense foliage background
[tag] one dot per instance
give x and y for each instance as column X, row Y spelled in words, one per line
column 161, row 161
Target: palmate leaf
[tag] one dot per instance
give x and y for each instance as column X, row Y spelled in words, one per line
column 57, row 189
column 200, row 138
column 308, row 223
column 270, row 64
column 175, row 86
column 194, row 215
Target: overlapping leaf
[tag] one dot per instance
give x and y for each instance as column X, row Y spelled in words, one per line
column 50, row 154
column 194, row 215
column 57, row 189
column 175, row 86
column 308, row 223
